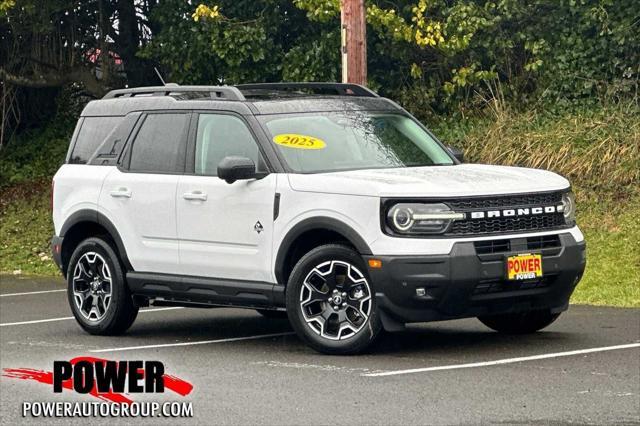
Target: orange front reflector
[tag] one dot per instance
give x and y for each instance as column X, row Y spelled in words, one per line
column 375, row 263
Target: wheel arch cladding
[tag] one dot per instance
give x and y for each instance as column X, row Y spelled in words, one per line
column 85, row 224
column 311, row 233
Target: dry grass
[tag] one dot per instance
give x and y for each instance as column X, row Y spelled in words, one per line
column 600, row 151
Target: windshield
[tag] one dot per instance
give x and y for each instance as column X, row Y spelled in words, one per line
column 350, row 140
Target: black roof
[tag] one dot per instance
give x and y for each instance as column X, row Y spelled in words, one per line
column 323, row 104
column 248, row 99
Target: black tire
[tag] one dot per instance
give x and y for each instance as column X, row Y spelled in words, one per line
column 120, row 312
column 271, row 314
column 333, row 267
column 521, row 323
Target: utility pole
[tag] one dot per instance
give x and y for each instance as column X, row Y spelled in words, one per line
column 354, row 41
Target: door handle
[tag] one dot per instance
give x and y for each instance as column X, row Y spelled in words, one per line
column 121, row 193
column 195, row 195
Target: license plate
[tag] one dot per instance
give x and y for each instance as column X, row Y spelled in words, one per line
column 524, row 266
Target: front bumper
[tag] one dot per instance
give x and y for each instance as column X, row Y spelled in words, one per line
column 466, row 283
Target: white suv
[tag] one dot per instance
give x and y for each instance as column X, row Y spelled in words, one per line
column 323, row 202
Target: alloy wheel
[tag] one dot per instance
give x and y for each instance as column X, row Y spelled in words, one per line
column 335, row 299
column 92, row 286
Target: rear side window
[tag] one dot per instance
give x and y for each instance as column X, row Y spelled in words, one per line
column 159, row 145
column 108, row 153
column 91, row 135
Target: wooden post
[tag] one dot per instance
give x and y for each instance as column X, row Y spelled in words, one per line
column 354, row 42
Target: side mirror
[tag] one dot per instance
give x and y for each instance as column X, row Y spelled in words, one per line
column 457, row 153
column 232, row 169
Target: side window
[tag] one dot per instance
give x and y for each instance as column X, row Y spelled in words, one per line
column 111, row 148
column 92, row 133
column 220, row 136
column 159, row 145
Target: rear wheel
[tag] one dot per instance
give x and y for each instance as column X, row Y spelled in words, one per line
column 98, row 295
column 521, row 323
column 331, row 302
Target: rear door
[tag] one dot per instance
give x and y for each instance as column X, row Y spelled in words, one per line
column 225, row 230
column 139, row 196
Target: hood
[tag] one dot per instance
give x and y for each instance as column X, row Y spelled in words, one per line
column 432, row 181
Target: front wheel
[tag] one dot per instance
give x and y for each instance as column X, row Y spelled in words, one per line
column 521, row 323
column 98, row 294
column 330, row 301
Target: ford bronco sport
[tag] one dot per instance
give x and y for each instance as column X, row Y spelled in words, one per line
column 322, row 202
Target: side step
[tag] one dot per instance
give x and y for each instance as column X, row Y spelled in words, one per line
column 187, row 290
column 162, row 302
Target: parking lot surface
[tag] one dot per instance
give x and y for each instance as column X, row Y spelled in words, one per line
column 247, row 369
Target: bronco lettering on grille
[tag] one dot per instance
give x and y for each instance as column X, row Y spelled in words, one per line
column 515, row 212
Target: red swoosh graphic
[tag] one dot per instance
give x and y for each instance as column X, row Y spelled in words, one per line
column 172, row 383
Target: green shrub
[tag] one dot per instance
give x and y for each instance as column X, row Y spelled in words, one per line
column 34, row 155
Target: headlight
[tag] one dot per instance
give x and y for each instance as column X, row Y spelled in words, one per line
column 416, row 218
column 569, row 207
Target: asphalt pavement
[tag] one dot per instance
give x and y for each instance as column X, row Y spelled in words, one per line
column 247, row 369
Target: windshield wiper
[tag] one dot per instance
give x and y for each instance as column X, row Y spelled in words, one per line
column 427, row 165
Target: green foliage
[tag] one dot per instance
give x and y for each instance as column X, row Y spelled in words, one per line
column 35, row 154
column 248, row 41
column 314, row 59
column 613, row 246
column 542, row 50
column 6, row 5
column 26, row 229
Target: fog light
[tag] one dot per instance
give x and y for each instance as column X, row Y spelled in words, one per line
column 420, row 292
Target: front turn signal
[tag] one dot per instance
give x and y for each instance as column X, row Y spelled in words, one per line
column 375, row 263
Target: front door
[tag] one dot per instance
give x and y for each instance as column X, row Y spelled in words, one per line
column 225, row 230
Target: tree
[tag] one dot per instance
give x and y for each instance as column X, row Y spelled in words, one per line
column 242, row 41
column 91, row 45
column 437, row 56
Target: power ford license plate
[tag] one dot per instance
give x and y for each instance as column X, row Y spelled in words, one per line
column 524, row 267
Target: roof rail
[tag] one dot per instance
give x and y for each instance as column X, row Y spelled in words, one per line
column 342, row 89
column 215, row 92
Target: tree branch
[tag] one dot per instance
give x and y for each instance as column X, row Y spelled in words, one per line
column 56, row 79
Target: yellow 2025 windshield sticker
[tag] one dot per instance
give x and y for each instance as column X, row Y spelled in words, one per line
column 292, row 140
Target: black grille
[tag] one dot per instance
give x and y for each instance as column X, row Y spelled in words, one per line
column 543, row 242
column 502, row 286
column 492, row 246
column 501, row 225
column 540, row 199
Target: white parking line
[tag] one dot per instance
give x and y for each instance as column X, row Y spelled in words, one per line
column 6, row 324
column 200, row 342
column 503, row 361
column 31, row 292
